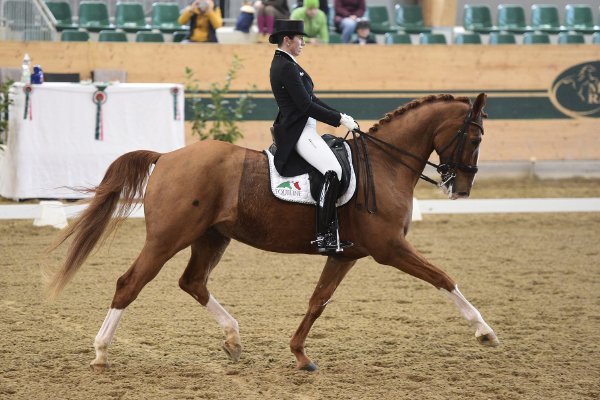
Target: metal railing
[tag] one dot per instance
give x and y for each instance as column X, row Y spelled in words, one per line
column 26, row 20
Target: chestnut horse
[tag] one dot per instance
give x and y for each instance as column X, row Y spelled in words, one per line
column 208, row 193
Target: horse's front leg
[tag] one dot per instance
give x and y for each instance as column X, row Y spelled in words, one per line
column 334, row 272
column 406, row 258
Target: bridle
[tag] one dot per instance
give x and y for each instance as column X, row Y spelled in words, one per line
column 447, row 168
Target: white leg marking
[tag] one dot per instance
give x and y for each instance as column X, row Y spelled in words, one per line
column 223, row 318
column 105, row 335
column 483, row 332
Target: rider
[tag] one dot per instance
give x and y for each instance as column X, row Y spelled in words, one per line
column 295, row 129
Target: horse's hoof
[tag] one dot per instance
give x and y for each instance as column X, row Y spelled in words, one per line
column 488, row 339
column 99, row 368
column 234, row 352
column 310, row 367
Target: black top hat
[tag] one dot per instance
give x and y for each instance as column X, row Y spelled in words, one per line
column 286, row 27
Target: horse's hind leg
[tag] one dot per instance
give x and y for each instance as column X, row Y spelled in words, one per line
column 206, row 253
column 407, row 259
column 334, row 272
column 143, row 270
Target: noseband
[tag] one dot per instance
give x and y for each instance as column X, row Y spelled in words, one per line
column 447, row 169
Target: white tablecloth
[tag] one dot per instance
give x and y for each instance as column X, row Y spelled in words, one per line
column 54, row 147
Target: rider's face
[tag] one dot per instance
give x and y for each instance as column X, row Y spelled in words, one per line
column 295, row 45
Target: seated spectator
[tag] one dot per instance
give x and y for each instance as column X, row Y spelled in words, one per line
column 315, row 21
column 347, row 15
column 323, row 6
column 267, row 11
column 204, row 18
column 245, row 19
column 363, row 33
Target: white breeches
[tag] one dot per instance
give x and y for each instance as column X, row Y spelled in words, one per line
column 315, row 151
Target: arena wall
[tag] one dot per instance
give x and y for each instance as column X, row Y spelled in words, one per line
column 525, row 119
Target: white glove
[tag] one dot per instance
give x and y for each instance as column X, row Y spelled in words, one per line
column 348, row 122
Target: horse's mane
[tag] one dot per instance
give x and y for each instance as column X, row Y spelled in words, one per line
column 415, row 104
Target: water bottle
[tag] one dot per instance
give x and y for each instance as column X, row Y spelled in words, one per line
column 38, row 75
column 25, row 71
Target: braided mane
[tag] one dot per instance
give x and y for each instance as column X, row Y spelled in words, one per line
column 415, row 104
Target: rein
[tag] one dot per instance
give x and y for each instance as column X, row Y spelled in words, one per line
column 447, row 170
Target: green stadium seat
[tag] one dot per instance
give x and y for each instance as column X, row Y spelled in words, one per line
column 130, row 17
column 596, row 38
column 511, row 18
column 579, row 18
column 544, row 18
column 478, row 19
column 409, row 18
column 397, row 38
column 149, row 37
column 502, row 38
column 181, row 35
column 335, row 38
column 468, row 38
column 432, row 38
column 61, row 10
column 93, row 16
column 165, row 16
column 74, row 36
column 112, row 36
column 536, row 38
column 571, row 38
column 380, row 20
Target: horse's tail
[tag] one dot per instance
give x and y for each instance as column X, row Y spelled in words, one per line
column 124, row 180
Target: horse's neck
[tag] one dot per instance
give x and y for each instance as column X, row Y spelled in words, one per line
column 412, row 131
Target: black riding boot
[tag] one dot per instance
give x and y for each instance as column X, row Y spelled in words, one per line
column 327, row 221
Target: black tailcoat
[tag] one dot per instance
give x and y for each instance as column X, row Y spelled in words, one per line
column 293, row 91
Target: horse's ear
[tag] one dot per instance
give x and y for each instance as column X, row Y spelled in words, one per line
column 479, row 104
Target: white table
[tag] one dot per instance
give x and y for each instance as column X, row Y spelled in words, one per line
column 64, row 142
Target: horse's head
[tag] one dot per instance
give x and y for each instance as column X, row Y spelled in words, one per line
column 457, row 145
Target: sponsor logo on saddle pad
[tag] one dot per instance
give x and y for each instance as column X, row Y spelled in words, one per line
column 576, row 91
column 289, row 188
column 296, row 189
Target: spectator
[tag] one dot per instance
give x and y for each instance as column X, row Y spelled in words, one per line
column 347, row 15
column 315, row 21
column 244, row 21
column 267, row 11
column 363, row 33
column 204, row 18
column 323, row 6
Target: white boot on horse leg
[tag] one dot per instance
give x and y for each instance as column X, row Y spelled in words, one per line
column 232, row 344
column 103, row 339
column 484, row 334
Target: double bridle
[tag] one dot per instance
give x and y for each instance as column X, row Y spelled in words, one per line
column 447, row 169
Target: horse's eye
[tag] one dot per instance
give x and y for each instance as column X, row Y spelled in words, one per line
column 475, row 142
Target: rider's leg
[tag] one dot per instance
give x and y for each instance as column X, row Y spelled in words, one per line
column 316, row 152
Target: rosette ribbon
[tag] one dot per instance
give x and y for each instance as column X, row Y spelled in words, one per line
column 27, row 89
column 99, row 99
column 176, row 111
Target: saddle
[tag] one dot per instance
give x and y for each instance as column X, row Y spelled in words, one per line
column 337, row 145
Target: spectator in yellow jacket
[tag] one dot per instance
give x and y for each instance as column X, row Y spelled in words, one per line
column 204, row 18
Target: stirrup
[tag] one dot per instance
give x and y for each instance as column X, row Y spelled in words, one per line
column 331, row 243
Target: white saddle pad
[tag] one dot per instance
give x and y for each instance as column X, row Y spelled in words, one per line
column 297, row 189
